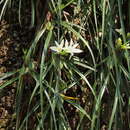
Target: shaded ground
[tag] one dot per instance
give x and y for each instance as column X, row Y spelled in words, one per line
column 12, row 41
column 8, row 54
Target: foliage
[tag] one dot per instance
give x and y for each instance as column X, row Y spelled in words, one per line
column 94, row 83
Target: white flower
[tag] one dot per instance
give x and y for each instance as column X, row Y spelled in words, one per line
column 58, row 48
column 66, row 48
column 71, row 48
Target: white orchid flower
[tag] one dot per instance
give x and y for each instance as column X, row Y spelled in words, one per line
column 66, row 48
column 71, row 48
column 58, row 48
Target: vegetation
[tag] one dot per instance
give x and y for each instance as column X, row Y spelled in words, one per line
column 75, row 70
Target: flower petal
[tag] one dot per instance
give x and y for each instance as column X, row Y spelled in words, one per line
column 75, row 45
column 55, row 49
column 75, row 50
column 66, row 43
column 62, row 43
column 71, row 43
column 57, row 44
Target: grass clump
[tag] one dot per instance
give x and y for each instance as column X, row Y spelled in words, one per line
column 63, row 85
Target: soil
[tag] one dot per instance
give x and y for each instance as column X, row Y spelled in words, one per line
column 12, row 41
